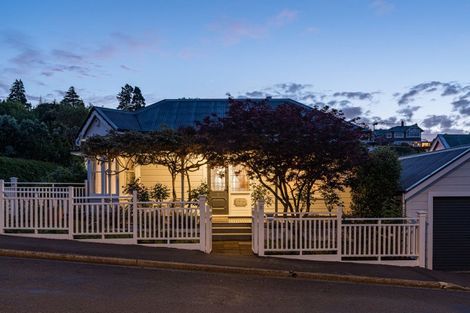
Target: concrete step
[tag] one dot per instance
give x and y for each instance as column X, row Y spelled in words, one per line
column 238, row 230
column 229, row 225
column 232, row 247
column 231, row 237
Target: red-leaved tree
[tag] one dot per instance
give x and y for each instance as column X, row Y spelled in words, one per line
column 289, row 148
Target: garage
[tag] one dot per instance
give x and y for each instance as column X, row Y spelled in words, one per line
column 451, row 233
column 438, row 183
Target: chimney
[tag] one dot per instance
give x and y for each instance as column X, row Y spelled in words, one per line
column 402, row 123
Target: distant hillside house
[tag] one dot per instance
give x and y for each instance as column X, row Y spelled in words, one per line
column 399, row 134
column 447, row 141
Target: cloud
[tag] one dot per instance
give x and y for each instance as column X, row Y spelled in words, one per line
column 80, row 61
column 256, row 94
column 233, row 32
column 125, row 67
column 446, row 88
column 282, row 18
column 66, row 55
column 462, row 104
column 348, row 101
column 352, row 112
column 354, row 95
column 108, row 100
column 443, row 121
column 389, row 121
column 296, row 91
column 382, row 7
column 408, row 111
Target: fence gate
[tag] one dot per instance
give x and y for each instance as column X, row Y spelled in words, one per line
column 331, row 237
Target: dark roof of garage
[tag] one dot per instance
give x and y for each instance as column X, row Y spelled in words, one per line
column 419, row 167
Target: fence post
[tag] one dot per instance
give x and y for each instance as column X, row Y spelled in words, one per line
column 2, row 205
column 339, row 232
column 134, row 215
column 254, row 229
column 260, row 213
column 14, row 194
column 70, row 211
column 202, row 222
column 85, row 182
column 208, row 228
column 422, row 220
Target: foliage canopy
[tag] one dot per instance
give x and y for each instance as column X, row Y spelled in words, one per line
column 376, row 187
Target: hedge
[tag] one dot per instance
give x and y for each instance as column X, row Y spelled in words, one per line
column 27, row 170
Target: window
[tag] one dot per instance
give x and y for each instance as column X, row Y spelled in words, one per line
column 414, row 132
column 97, row 177
column 389, row 135
column 104, row 177
column 399, row 135
column 238, row 179
column 218, row 178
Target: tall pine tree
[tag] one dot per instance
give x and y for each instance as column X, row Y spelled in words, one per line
column 138, row 101
column 130, row 99
column 125, row 98
column 18, row 94
column 72, row 99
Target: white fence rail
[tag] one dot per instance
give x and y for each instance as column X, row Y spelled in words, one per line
column 66, row 212
column 398, row 241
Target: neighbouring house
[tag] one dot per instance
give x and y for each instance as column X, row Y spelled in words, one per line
column 408, row 134
column 439, row 183
column 446, row 141
column 229, row 187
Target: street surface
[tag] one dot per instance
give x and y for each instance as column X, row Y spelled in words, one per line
column 52, row 286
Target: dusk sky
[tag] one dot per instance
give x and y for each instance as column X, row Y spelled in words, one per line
column 383, row 60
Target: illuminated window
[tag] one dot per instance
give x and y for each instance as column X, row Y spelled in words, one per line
column 97, row 176
column 105, row 177
column 238, row 179
column 218, row 178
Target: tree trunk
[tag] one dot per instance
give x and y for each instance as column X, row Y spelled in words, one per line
column 173, row 190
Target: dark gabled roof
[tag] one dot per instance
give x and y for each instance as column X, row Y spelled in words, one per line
column 173, row 113
column 454, row 140
column 419, row 167
column 404, row 128
column 118, row 119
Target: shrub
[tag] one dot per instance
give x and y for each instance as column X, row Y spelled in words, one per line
column 259, row 192
column 160, row 192
column 376, row 186
column 331, row 198
column 142, row 191
column 202, row 190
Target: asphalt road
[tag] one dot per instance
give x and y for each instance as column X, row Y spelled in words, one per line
column 53, row 286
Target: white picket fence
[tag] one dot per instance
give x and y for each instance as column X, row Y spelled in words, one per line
column 330, row 237
column 67, row 213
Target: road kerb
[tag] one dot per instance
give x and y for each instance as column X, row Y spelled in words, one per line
column 274, row 273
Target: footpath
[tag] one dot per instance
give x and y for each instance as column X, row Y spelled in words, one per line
column 178, row 259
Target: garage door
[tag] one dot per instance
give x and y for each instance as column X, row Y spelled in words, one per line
column 451, row 233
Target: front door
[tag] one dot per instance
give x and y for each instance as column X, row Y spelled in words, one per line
column 218, row 190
